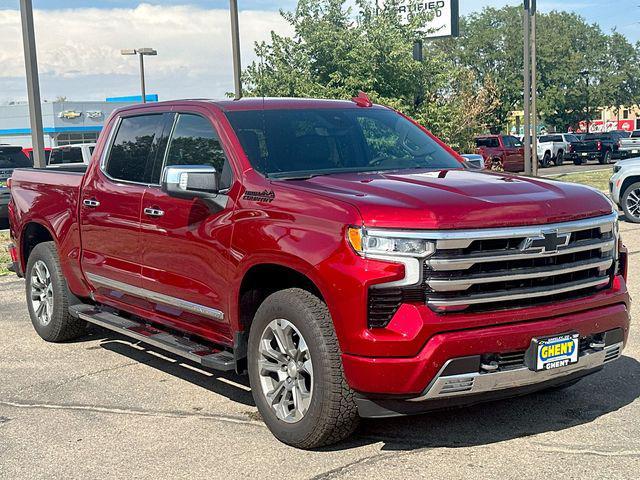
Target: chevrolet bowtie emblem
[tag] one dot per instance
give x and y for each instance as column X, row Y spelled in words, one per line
column 548, row 242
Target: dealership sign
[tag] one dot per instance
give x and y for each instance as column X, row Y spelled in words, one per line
column 443, row 15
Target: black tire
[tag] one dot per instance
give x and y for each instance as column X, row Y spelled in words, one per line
column 629, row 205
column 577, row 161
column 559, row 159
column 606, row 158
column 332, row 414
column 546, row 160
column 61, row 326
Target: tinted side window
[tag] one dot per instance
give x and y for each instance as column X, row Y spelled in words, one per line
column 195, row 142
column 14, row 158
column 490, row 142
column 132, row 148
column 65, row 155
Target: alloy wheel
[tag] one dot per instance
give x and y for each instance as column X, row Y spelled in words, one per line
column 286, row 370
column 41, row 292
column 633, row 202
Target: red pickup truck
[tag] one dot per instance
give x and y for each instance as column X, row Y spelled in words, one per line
column 335, row 251
column 501, row 152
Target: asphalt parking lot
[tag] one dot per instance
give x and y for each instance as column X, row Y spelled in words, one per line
column 104, row 408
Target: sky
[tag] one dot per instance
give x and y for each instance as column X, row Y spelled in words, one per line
column 79, row 42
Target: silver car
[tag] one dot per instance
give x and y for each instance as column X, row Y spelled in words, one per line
column 625, row 188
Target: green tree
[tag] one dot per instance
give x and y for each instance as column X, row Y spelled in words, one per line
column 334, row 53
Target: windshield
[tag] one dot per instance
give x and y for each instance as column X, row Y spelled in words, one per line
column 14, row 158
column 307, row 142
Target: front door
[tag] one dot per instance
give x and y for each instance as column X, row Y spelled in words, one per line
column 186, row 243
column 110, row 208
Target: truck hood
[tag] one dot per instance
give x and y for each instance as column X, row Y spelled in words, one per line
column 456, row 199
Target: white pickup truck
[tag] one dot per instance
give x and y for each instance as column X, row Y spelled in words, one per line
column 631, row 145
column 553, row 147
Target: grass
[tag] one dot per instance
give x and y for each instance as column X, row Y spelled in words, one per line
column 5, row 259
column 597, row 179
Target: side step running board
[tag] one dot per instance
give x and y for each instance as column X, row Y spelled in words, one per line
column 204, row 355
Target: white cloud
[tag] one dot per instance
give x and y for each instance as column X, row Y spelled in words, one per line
column 194, row 48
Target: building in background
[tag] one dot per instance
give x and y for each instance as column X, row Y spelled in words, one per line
column 64, row 123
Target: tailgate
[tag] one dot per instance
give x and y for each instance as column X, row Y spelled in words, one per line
column 591, row 146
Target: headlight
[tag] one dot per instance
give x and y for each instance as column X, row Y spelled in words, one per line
column 379, row 245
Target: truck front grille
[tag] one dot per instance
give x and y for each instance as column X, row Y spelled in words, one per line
column 497, row 269
column 510, row 268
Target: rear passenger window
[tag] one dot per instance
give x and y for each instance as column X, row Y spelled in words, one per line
column 195, row 142
column 132, row 148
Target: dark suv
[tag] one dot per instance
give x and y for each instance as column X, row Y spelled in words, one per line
column 10, row 157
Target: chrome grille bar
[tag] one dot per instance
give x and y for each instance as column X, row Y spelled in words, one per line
column 465, row 282
column 516, row 294
column 468, row 261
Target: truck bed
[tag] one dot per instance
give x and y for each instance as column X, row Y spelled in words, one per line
column 48, row 197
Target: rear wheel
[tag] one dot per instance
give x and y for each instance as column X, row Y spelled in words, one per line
column 606, row 159
column 559, row 158
column 48, row 297
column 578, row 161
column 631, row 203
column 296, row 374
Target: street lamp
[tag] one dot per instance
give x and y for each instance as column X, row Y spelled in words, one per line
column 585, row 73
column 141, row 52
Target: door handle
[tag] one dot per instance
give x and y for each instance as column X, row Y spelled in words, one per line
column 91, row 203
column 153, row 212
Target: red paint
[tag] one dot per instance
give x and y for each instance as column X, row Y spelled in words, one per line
column 202, row 256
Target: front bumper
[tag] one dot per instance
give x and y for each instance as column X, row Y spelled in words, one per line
column 462, row 382
column 410, row 376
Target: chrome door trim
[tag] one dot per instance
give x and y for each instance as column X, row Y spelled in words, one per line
column 155, row 296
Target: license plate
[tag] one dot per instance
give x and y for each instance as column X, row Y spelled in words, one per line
column 553, row 352
column 584, row 154
column 635, row 151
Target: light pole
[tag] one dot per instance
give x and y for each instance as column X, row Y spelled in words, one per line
column 585, row 73
column 235, row 44
column 141, row 52
column 33, row 84
column 528, row 164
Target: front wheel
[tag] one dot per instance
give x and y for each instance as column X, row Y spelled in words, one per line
column 48, row 297
column 631, row 203
column 546, row 160
column 296, row 373
column 559, row 159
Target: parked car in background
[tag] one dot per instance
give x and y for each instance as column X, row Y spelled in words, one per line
column 79, row 154
column 631, row 145
column 501, row 152
column 553, row 148
column 335, row 251
column 474, row 160
column 604, row 147
column 29, row 153
column 11, row 157
column 625, row 188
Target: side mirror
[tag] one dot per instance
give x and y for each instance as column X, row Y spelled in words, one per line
column 190, row 181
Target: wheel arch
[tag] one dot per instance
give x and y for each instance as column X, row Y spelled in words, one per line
column 33, row 233
column 261, row 280
column 630, row 180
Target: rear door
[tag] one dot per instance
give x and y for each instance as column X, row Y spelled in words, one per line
column 111, row 201
column 186, row 243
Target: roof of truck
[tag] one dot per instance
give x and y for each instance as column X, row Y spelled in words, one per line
column 251, row 103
